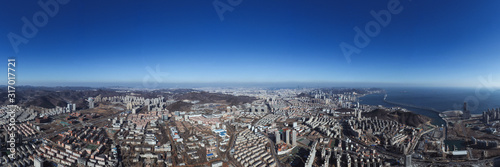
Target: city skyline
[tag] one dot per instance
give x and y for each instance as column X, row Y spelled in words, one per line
column 426, row 43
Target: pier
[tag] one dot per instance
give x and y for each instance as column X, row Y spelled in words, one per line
column 410, row 106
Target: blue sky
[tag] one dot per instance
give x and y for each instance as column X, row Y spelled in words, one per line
column 429, row 43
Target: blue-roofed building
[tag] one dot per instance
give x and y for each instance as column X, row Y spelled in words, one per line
column 221, row 132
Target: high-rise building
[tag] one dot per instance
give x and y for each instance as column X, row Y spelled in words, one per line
column 288, row 137
column 486, row 118
column 278, row 136
column 38, row 162
column 91, row 102
column 408, row 161
column 357, row 113
column 129, row 105
column 294, row 138
column 466, row 112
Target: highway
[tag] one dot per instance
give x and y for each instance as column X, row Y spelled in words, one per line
column 444, row 163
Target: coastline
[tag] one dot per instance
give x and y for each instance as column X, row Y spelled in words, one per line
column 376, row 99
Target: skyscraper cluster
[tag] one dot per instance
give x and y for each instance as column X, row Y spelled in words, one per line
column 491, row 114
column 293, row 140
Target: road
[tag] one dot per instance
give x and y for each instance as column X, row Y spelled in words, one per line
column 418, row 138
column 273, row 151
column 232, row 141
column 466, row 163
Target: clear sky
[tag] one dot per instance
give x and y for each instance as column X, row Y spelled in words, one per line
column 427, row 43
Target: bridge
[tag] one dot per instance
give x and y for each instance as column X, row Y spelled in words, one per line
column 410, row 106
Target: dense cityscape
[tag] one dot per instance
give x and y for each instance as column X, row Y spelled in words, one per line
column 239, row 127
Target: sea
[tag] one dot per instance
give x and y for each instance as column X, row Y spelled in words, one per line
column 441, row 99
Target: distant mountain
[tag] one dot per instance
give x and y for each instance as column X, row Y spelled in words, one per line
column 407, row 118
column 179, row 106
column 303, row 95
column 50, row 97
column 205, row 97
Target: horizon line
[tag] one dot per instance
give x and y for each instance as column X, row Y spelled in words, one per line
column 300, row 84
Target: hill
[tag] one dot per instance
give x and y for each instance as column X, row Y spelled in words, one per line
column 407, row 118
column 50, row 97
column 206, row 97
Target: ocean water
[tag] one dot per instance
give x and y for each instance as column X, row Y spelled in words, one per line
column 441, row 99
